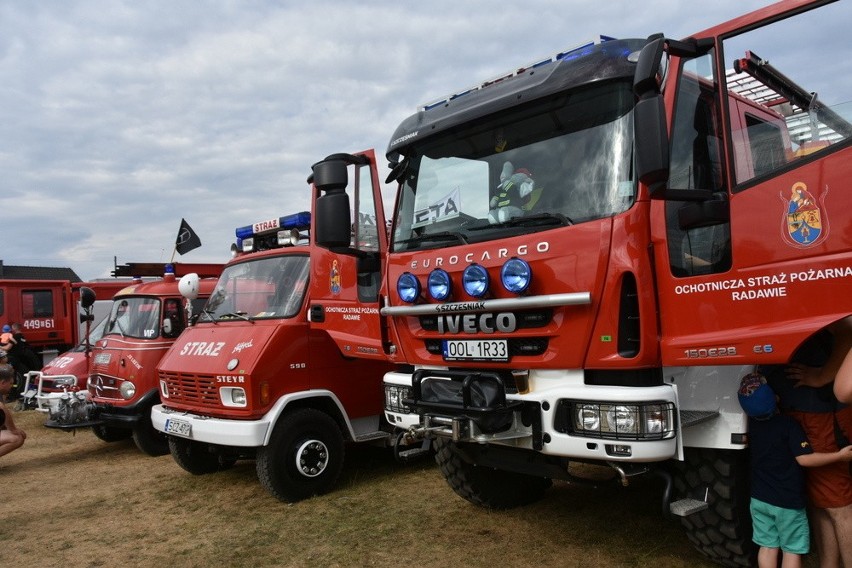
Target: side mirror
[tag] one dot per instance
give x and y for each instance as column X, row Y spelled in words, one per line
column 652, row 143
column 167, row 327
column 87, row 297
column 333, row 221
column 649, row 118
column 188, row 286
column 648, row 67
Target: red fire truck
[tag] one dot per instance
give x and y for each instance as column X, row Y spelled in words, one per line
column 255, row 378
column 589, row 252
column 144, row 321
column 75, row 361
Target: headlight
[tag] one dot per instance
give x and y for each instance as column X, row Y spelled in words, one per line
column 516, row 275
column 635, row 421
column 589, row 417
column 65, row 382
column 475, row 280
column 622, row 419
column 394, row 395
column 127, row 390
column 439, row 284
column 408, row 287
column 233, row 397
column 248, row 244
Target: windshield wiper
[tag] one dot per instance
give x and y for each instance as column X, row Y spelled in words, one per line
column 209, row 314
column 539, row 219
column 238, row 315
column 116, row 324
column 443, row 236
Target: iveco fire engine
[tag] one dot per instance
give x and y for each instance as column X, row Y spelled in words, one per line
column 589, row 252
column 255, row 378
column 145, row 319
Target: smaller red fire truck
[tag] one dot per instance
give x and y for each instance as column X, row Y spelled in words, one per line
column 255, row 378
column 144, row 321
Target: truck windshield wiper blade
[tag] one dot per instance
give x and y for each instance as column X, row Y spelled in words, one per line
column 209, row 314
column 539, row 219
column 238, row 315
column 443, row 236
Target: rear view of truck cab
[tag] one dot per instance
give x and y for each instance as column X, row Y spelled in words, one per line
column 254, row 379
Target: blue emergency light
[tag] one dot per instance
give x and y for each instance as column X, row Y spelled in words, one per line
column 272, row 232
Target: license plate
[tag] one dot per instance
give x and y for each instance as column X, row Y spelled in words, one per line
column 475, row 350
column 178, row 427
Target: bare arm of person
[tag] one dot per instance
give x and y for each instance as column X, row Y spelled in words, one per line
column 820, row 376
column 824, row 458
column 843, row 381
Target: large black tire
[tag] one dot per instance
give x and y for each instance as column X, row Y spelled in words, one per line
column 723, row 531
column 484, row 486
column 304, row 456
column 196, row 458
column 110, row 433
column 148, row 439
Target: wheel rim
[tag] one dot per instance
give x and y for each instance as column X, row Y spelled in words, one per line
column 312, row 458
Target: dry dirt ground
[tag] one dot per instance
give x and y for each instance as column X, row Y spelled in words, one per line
column 72, row 500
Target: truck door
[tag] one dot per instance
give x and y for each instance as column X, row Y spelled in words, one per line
column 349, row 244
column 759, row 256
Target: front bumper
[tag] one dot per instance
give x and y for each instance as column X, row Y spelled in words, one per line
column 223, row 432
column 535, row 420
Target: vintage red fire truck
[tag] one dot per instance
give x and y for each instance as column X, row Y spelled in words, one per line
column 255, row 378
column 145, row 319
column 75, row 361
column 589, row 252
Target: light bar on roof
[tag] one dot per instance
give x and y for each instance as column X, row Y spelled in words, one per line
column 567, row 54
column 295, row 221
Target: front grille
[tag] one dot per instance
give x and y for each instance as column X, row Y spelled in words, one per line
column 198, row 390
column 529, row 346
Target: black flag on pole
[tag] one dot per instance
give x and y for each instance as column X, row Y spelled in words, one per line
column 186, row 240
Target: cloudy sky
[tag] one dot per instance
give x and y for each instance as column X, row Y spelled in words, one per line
column 120, row 117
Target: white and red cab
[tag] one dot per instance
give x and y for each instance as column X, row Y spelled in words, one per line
column 255, row 378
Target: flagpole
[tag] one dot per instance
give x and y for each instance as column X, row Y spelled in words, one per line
column 174, row 250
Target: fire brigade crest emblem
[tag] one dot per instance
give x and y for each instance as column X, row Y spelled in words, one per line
column 335, row 278
column 805, row 221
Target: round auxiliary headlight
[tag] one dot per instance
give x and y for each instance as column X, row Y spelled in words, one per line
column 127, row 390
column 439, row 284
column 516, row 275
column 475, row 280
column 589, row 418
column 621, row 419
column 408, row 287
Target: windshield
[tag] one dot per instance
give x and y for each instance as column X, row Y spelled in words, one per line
column 271, row 287
column 95, row 334
column 555, row 162
column 135, row 317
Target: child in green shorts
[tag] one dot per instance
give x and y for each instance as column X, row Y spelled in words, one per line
column 779, row 450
